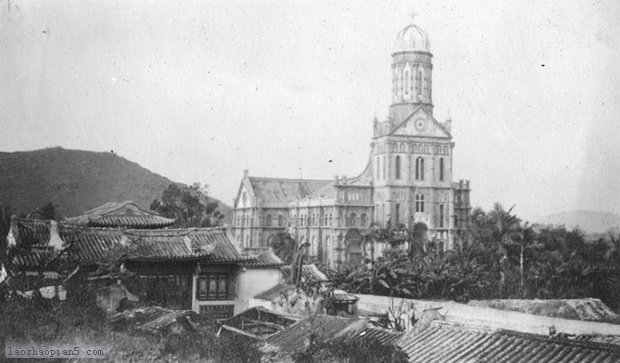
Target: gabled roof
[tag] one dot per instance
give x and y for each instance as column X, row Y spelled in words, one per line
column 275, row 192
column 204, row 244
column 296, row 337
column 430, row 126
column 448, row 342
column 126, row 214
column 89, row 245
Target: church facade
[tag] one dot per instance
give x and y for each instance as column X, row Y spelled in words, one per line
column 407, row 182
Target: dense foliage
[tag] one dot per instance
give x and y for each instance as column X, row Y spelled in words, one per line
column 502, row 257
column 354, row 351
column 283, row 246
column 79, row 320
column 189, row 206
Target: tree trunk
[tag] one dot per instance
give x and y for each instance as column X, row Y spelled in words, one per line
column 521, row 268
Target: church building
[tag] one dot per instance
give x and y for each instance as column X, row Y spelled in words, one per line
column 407, row 182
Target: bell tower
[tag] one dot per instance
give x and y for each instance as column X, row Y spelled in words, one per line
column 411, row 73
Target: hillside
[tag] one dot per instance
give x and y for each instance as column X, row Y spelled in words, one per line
column 76, row 181
column 589, row 221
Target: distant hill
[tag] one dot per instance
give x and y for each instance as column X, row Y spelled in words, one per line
column 589, row 221
column 76, row 181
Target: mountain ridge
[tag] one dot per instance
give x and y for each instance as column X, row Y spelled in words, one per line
column 75, row 181
column 587, row 220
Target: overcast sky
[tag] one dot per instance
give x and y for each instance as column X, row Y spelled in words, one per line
column 199, row 91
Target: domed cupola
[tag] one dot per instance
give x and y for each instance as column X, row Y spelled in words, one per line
column 411, row 73
column 412, row 39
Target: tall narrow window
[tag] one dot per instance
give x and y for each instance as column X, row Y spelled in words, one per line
column 397, row 167
column 419, row 203
column 378, row 165
column 269, row 221
column 441, row 216
column 419, row 168
column 407, row 84
column 440, row 169
column 384, row 167
column 363, row 220
column 418, row 83
column 397, row 214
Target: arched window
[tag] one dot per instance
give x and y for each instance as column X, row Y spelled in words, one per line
column 363, row 220
column 378, row 166
column 407, row 83
column 397, row 167
column 397, row 214
column 400, row 83
column 384, row 167
column 313, row 246
column 327, row 249
column 419, row 203
column 419, row 168
column 269, row 220
column 440, row 169
column 418, row 83
column 441, row 216
column 352, row 219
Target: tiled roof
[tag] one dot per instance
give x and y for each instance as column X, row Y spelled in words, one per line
column 249, row 319
column 308, row 272
column 88, row 245
column 126, row 214
column 296, row 337
column 446, row 342
column 267, row 258
column 577, row 309
column 384, row 336
column 341, row 296
column 206, row 244
column 328, row 191
column 33, row 232
column 274, row 192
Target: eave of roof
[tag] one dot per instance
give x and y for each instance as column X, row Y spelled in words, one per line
column 448, row 342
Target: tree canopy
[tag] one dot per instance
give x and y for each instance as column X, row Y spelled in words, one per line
column 501, row 257
column 190, row 206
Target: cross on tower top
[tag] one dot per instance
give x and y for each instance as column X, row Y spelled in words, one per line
column 412, row 14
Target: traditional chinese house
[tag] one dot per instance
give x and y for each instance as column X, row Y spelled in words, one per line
column 200, row 269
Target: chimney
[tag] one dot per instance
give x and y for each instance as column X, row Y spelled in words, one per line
column 245, row 173
column 13, row 235
column 55, row 241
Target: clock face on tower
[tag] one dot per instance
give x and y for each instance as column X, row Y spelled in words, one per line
column 420, row 124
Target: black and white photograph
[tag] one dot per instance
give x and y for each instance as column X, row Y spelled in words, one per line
column 298, row 181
